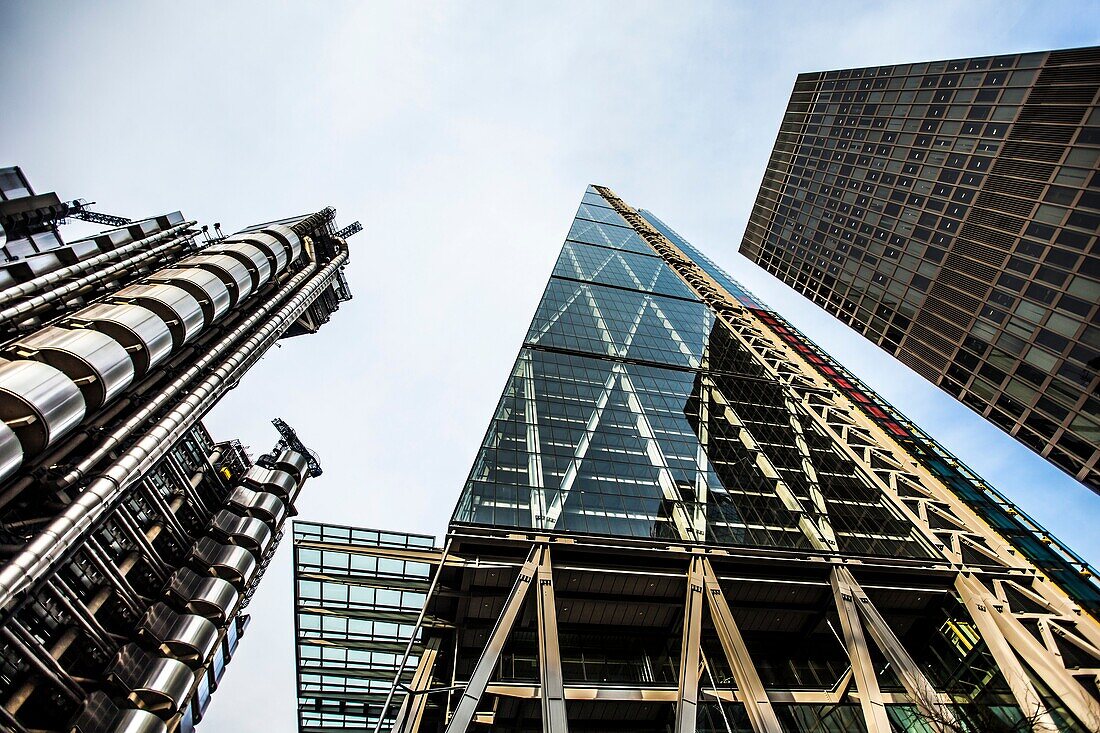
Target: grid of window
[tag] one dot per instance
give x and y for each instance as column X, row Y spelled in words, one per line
column 356, row 610
column 626, row 413
column 949, row 211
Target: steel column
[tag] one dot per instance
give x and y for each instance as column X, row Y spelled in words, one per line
column 757, row 705
column 550, row 673
column 1027, row 697
column 922, row 692
column 412, row 709
column 687, row 693
column 870, row 695
column 475, row 688
column 1050, row 670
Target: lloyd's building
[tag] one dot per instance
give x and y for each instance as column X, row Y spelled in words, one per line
column 684, row 517
column 130, row 540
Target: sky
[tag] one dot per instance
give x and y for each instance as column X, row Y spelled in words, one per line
column 462, row 136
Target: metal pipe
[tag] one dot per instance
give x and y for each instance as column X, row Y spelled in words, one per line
column 130, row 526
column 203, row 397
column 103, row 562
column 53, row 672
column 82, row 621
column 41, row 282
column 40, row 301
column 64, row 532
column 151, row 407
column 10, row 720
column 75, row 599
column 171, row 521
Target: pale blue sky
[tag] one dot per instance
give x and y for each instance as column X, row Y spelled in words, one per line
column 462, row 136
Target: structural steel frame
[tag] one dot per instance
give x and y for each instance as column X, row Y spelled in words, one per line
column 1001, row 590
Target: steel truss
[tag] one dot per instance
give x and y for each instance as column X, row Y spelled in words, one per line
column 1029, row 625
column 964, row 540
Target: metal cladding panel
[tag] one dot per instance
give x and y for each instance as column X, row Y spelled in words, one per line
column 235, row 564
column 278, row 253
column 280, row 483
column 293, row 462
column 143, row 333
column 289, row 238
column 177, row 307
column 250, row 533
column 205, row 286
column 11, row 451
column 96, row 362
column 144, row 228
column 31, row 390
column 187, row 637
column 260, row 504
column 113, row 239
column 252, row 257
column 156, row 684
column 212, row 598
column 138, row 721
column 40, row 264
column 231, row 270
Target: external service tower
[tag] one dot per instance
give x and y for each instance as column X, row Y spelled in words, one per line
column 130, row 539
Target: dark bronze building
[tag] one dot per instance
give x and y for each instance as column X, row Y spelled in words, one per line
column 948, row 211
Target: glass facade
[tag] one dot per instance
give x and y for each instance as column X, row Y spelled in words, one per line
column 356, row 609
column 685, row 516
column 948, row 211
column 633, row 411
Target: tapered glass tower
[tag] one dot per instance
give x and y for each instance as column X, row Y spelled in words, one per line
column 686, row 517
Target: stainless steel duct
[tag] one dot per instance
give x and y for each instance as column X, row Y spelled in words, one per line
column 54, row 277
column 248, row 532
column 38, row 302
column 260, row 504
column 162, row 399
column 293, row 463
column 156, row 684
column 143, row 333
column 232, row 271
column 36, row 559
column 280, row 483
column 184, row 636
column 228, row 562
column 249, row 255
column 241, row 269
column 206, row 287
column 11, row 451
column 211, row 598
column 38, row 402
column 175, row 306
column 277, row 251
column 94, row 361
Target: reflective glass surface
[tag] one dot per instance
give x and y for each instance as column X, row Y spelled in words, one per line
column 623, row 269
column 633, row 413
column 356, row 611
column 608, row 235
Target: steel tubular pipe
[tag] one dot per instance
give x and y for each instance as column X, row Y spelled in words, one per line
column 38, row 302
column 65, row 531
column 51, row 672
column 151, row 407
column 23, row 290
